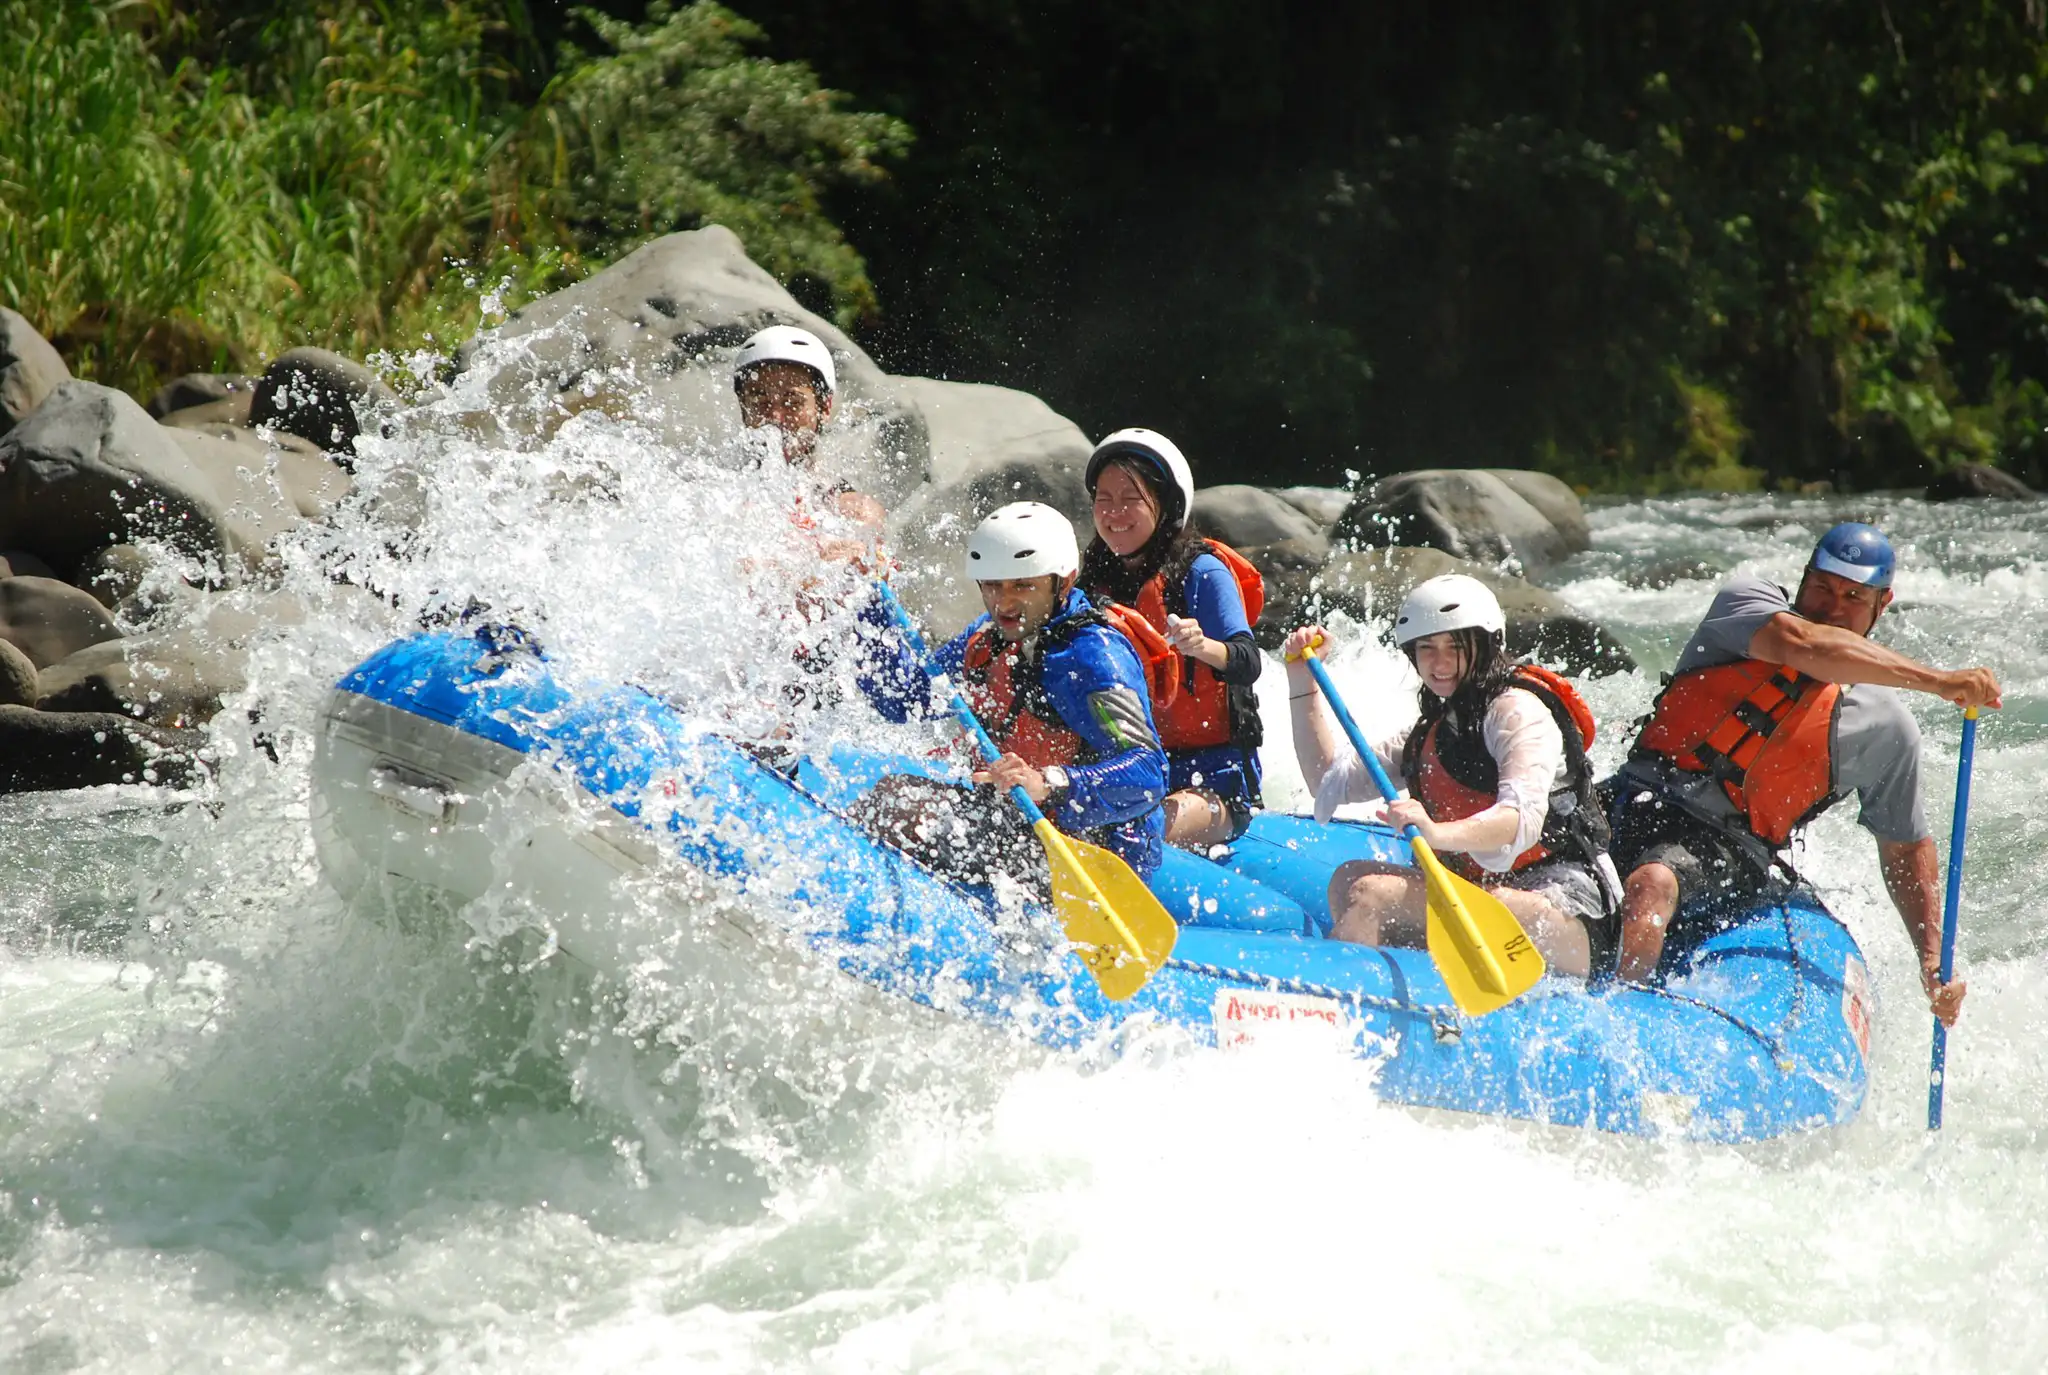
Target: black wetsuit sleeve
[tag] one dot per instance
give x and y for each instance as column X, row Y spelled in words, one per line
column 1245, row 664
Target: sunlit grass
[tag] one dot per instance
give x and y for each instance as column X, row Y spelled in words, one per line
column 361, row 181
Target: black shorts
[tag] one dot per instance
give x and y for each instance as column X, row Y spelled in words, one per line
column 1716, row 872
column 1573, row 889
column 965, row 835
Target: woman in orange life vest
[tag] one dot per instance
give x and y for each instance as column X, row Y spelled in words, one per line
column 1497, row 778
column 1203, row 597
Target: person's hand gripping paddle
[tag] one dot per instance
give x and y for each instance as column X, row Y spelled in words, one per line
column 1485, row 957
column 1117, row 927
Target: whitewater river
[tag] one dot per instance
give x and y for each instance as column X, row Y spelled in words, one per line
column 243, row 1126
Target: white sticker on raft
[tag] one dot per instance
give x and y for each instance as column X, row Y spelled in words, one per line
column 1243, row 1015
column 1856, row 1004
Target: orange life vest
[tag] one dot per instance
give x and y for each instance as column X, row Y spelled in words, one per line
column 1454, row 784
column 1760, row 730
column 1199, row 715
column 1007, row 697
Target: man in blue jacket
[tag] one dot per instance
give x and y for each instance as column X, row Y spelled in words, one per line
column 1061, row 691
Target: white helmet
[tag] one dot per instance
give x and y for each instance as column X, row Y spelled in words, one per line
column 1174, row 480
column 786, row 344
column 1022, row 540
column 1450, row 602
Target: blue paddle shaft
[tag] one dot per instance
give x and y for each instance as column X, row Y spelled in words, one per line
column 1937, row 1069
column 1372, row 762
column 962, row 712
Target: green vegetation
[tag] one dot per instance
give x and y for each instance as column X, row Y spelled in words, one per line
column 198, row 185
column 1643, row 243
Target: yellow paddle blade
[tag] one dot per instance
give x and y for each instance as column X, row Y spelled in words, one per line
column 1485, row 957
column 1118, row 927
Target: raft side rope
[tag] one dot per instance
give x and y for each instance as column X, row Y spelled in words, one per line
column 1445, row 1022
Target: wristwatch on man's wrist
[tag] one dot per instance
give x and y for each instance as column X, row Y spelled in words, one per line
column 1055, row 781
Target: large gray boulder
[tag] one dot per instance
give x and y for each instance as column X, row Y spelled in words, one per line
column 652, row 337
column 1369, row 585
column 30, row 369
column 1284, row 543
column 321, row 396
column 266, row 490
column 44, row 751
column 929, row 531
column 1248, row 518
column 197, row 391
column 989, row 446
column 1471, row 514
column 975, row 428
column 1552, row 496
column 308, row 479
column 49, row 620
column 1323, row 505
column 89, row 468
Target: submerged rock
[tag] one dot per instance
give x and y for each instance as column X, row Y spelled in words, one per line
column 204, row 391
column 1370, row 584
column 89, row 468
column 319, row 395
column 17, row 677
column 175, row 680
column 1469, row 514
column 265, row 488
column 1977, row 480
column 49, row 620
column 30, row 369
column 44, row 751
column 19, row 563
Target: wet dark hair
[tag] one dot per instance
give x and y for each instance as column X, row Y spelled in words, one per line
column 1489, row 671
column 1107, row 577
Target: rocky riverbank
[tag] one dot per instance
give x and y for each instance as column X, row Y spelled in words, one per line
column 139, row 542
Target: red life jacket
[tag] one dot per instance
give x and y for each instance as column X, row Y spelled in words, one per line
column 1199, row 716
column 1760, row 730
column 1452, row 774
column 1011, row 703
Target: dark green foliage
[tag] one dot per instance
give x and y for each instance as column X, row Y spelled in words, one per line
column 202, row 183
column 1640, row 244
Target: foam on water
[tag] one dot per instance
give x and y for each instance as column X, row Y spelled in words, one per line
column 246, row 1124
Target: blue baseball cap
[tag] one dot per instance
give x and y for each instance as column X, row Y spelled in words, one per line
column 1857, row 552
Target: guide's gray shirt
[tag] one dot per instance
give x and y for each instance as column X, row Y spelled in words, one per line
column 1873, row 740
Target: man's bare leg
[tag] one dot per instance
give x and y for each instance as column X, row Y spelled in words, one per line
column 1374, row 904
column 1648, row 900
column 1196, row 820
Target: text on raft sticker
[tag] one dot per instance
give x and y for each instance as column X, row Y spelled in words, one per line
column 1243, row 1015
column 1856, row 1004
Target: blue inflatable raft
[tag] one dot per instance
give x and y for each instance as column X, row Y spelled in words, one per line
column 463, row 763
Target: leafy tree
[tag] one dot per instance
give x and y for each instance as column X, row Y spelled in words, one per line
column 199, row 185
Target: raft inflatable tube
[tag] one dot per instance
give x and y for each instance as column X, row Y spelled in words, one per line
column 463, row 762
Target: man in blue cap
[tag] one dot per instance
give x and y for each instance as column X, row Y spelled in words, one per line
column 1780, row 707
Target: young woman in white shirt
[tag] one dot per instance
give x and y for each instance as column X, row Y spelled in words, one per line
column 1498, row 781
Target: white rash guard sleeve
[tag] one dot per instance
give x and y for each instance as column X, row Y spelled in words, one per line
column 1528, row 749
